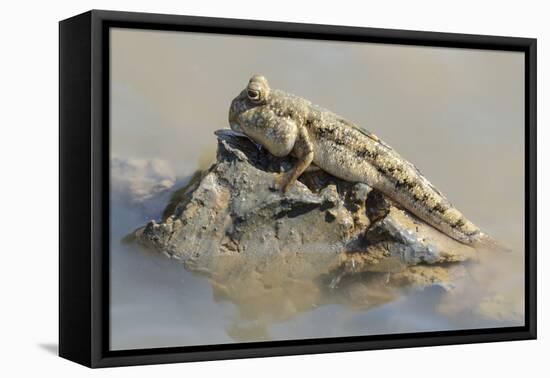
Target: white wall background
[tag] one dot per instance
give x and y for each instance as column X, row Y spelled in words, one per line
column 28, row 200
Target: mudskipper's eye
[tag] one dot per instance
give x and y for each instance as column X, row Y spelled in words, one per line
column 253, row 94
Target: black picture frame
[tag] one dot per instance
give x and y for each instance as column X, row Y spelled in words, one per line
column 84, row 188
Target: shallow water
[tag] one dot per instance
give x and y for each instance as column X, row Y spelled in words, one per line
column 155, row 302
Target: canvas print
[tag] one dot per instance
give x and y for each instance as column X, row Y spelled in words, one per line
column 266, row 189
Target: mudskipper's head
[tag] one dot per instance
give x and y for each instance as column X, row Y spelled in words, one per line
column 248, row 102
column 256, row 114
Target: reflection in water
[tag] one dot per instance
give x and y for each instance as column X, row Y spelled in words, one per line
column 155, row 302
column 278, row 288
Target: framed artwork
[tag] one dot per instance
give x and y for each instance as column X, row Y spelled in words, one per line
column 236, row 188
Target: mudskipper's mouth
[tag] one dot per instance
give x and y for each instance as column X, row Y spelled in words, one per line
column 237, row 131
column 230, row 133
column 233, row 123
column 236, row 127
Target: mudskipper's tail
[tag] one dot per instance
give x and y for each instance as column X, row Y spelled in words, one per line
column 484, row 242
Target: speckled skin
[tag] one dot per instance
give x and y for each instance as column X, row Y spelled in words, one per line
column 286, row 124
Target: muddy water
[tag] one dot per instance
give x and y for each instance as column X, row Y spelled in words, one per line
column 155, row 302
